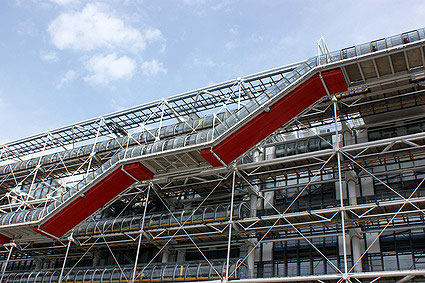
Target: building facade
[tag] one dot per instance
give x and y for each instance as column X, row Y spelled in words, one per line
column 311, row 172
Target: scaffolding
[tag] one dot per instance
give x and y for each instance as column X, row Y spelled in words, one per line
column 311, row 172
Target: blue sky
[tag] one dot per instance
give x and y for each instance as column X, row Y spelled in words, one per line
column 63, row 61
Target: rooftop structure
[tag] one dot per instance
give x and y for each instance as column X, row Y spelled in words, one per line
column 311, row 172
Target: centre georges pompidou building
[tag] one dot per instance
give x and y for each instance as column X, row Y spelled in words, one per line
column 311, row 172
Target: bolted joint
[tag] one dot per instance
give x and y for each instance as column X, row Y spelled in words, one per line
column 233, row 167
column 71, row 238
column 11, row 245
column 337, row 148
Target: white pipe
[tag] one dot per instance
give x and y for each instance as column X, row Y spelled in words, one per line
column 405, row 279
column 133, row 276
column 230, row 225
column 341, row 194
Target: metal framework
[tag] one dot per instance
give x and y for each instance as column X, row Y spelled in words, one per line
column 334, row 193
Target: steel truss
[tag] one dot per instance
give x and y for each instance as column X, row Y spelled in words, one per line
column 357, row 147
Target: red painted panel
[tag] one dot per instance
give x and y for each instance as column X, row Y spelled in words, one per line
column 334, row 81
column 281, row 112
column 95, row 198
column 139, row 171
column 4, row 239
column 208, row 156
column 267, row 122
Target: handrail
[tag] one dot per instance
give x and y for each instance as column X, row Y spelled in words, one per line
column 201, row 270
column 156, row 220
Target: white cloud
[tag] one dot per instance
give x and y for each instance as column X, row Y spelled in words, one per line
column 234, row 30
column 49, row 56
column 94, row 27
column 66, row 78
column 230, row 45
column 106, row 68
column 207, row 62
column 256, row 38
column 152, row 34
column 200, row 7
column 65, row 2
column 153, row 67
column 195, row 2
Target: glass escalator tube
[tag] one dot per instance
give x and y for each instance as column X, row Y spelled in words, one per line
column 178, row 142
column 168, row 272
column 197, row 216
column 81, row 229
column 175, row 219
column 27, row 216
column 219, row 130
column 201, row 137
column 209, row 214
column 107, row 226
column 162, row 132
column 147, row 222
column 169, row 130
column 291, row 148
column 191, row 139
column 242, row 113
column 116, row 275
column 154, row 221
column 90, row 228
column 105, row 276
column 189, row 126
column 204, row 271
column 54, row 276
column 208, row 121
column 186, row 217
column 145, row 273
column 302, row 146
column 244, row 210
column 191, row 271
column 156, row 273
column 126, row 274
column 95, row 276
column 313, row 144
column 164, row 220
column 19, row 218
column 221, row 213
column 216, row 270
column 116, row 225
column 179, row 128
column 87, row 277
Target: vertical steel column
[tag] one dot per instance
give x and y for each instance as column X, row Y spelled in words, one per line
column 133, row 276
column 239, row 92
column 93, row 152
column 64, row 260
column 230, row 225
column 341, row 197
column 7, row 261
column 37, row 168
